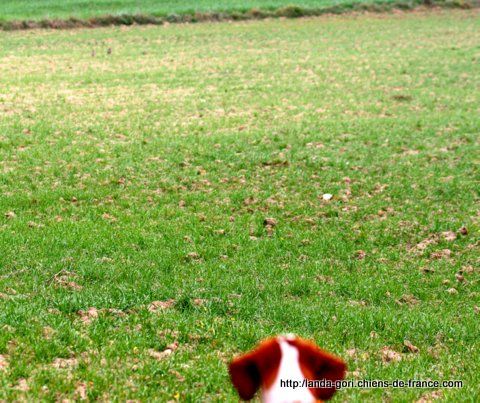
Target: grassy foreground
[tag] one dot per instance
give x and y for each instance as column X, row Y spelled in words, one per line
column 138, row 166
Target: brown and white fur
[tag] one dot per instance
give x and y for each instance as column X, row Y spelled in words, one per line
column 285, row 358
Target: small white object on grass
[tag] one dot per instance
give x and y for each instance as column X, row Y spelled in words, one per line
column 327, row 196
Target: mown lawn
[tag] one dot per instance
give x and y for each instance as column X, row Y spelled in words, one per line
column 137, row 167
column 37, row 9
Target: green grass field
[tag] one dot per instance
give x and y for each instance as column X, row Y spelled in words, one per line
column 137, row 167
column 37, row 9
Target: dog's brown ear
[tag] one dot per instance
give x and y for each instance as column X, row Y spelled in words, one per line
column 245, row 376
column 317, row 364
column 259, row 367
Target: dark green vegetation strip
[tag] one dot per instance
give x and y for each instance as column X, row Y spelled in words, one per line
column 236, row 15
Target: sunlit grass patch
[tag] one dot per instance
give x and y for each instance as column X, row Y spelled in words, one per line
column 163, row 188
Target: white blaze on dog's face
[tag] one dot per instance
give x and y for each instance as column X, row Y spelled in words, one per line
column 285, row 358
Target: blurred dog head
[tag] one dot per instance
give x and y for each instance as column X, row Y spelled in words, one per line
column 281, row 367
